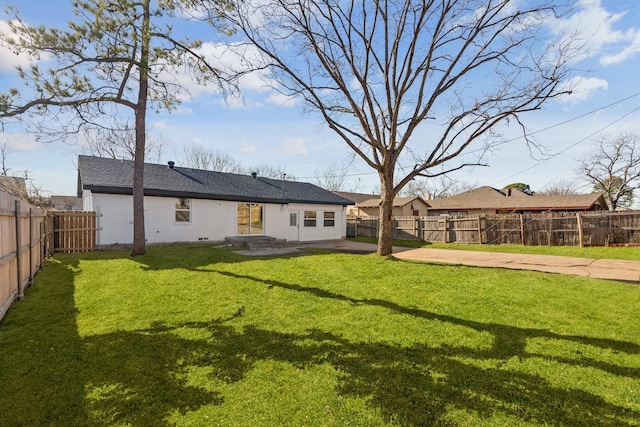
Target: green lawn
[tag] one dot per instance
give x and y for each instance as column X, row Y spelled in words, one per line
column 198, row 336
column 596, row 252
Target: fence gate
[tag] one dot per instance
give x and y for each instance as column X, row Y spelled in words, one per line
column 72, row 231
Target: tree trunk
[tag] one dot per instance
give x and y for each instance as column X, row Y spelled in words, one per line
column 385, row 234
column 140, row 117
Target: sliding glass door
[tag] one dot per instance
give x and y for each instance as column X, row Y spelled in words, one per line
column 250, row 219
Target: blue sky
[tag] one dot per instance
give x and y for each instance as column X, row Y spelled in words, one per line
column 265, row 130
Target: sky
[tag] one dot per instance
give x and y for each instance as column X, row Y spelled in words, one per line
column 262, row 129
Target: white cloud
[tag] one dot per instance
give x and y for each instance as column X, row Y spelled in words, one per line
column 162, row 125
column 24, row 142
column 183, row 111
column 255, row 88
column 582, row 88
column 249, row 149
column 294, row 147
column 8, row 59
column 595, row 26
column 625, row 54
column 282, row 100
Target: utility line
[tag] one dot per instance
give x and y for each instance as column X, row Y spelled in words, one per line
column 537, row 132
column 572, row 145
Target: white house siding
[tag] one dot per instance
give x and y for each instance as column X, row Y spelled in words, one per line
column 319, row 232
column 211, row 220
column 87, row 200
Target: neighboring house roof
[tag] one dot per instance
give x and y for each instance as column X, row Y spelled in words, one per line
column 66, row 203
column 356, row 197
column 397, row 202
column 14, row 185
column 112, row 176
column 491, row 198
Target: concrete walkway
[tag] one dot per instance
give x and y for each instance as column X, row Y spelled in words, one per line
column 628, row 271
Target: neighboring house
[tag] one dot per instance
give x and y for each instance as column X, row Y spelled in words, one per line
column 402, row 206
column 15, row 186
column 488, row 200
column 355, row 198
column 183, row 204
column 66, row 203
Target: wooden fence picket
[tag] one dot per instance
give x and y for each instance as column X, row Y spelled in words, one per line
column 548, row 229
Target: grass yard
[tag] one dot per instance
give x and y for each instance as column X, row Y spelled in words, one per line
column 198, row 336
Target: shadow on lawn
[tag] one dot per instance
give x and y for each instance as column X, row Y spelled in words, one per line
column 414, row 386
column 139, row 378
column 50, row 375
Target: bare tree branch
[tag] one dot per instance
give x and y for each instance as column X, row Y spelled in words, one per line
column 116, row 53
column 378, row 72
column 613, row 168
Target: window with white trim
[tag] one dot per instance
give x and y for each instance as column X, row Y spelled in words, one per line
column 309, row 218
column 329, row 219
column 183, row 210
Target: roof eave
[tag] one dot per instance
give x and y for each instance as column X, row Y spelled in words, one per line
column 128, row 191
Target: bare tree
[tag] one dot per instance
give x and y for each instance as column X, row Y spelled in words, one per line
column 268, row 171
column 202, row 158
column 117, row 54
column 559, row 188
column 613, row 168
column 379, row 71
column 439, row 187
column 120, row 143
column 4, row 153
column 336, row 178
column 35, row 194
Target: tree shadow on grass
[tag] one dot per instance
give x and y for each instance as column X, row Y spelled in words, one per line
column 413, row 386
column 402, row 380
column 49, row 375
column 140, row 377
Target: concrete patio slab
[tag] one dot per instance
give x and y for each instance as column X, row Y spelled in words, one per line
column 628, row 271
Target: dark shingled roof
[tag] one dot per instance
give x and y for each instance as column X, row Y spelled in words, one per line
column 112, row 176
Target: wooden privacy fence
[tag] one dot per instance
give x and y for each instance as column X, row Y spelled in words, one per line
column 28, row 235
column 551, row 229
column 22, row 248
column 72, row 231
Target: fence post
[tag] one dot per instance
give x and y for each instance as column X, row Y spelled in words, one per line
column 446, row 226
column 42, row 241
column 30, row 246
column 522, row 229
column 580, row 230
column 18, row 250
column 479, row 231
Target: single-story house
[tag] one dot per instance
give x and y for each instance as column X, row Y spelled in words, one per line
column 183, row 204
column 402, row 206
column 488, row 200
